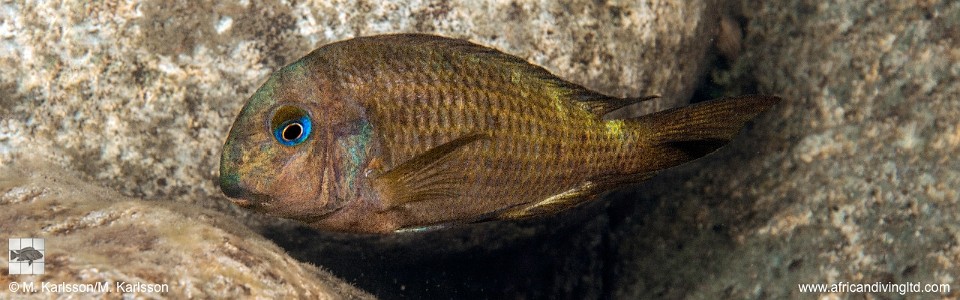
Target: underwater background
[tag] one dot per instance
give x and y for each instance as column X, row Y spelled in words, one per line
column 112, row 115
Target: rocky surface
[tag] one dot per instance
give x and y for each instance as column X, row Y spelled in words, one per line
column 93, row 234
column 853, row 179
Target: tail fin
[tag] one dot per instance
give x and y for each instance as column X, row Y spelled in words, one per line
column 13, row 255
column 687, row 133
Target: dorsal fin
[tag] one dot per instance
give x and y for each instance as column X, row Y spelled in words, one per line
column 426, row 176
column 600, row 106
column 596, row 103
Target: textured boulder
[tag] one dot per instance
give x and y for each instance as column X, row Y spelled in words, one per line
column 93, row 235
column 853, row 179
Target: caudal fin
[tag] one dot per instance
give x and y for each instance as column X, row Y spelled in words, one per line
column 687, row 133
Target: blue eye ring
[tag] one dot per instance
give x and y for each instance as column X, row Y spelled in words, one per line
column 291, row 126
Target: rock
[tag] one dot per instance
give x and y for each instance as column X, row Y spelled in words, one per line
column 853, row 179
column 93, row 234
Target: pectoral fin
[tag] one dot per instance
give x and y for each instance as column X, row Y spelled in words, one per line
column 427, row 176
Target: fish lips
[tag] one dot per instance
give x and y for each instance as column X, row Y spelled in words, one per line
column 243, row 197
column 251, row 201
column 261, row 202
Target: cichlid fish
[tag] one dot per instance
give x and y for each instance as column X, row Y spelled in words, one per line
column 392, row 132
column 28, row 253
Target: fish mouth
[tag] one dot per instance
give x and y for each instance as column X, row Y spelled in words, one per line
column 240, row 195
column 317, row 218
column 261, row 203
column 252, row 201
column 244, row 203
column 243, row 197
column 235, row 190
column 264, row 207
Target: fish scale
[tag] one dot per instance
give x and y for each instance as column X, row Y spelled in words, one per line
column 414, row 130
column 504, row 174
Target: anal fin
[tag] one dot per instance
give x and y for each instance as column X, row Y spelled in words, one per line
column 584, row 192
column 555, row 203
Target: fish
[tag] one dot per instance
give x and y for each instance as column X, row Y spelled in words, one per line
column 28, row 253
column 413, row 132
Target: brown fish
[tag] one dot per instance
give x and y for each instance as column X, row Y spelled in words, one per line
column 384, row 133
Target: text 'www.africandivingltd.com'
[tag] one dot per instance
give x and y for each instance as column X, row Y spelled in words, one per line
column 876, row 287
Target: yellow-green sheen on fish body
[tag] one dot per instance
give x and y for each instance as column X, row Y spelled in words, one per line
column 392, row 132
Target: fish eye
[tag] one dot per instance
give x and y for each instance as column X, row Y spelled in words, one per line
column 292, row 131
column 291, row 125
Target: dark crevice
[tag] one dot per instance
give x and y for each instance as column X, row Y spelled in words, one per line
column 550, row 263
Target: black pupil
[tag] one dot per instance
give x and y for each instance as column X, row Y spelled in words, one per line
column 292, row 131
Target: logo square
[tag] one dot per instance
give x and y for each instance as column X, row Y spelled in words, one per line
column 27, row 256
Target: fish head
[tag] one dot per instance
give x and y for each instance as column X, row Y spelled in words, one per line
column 299, row 147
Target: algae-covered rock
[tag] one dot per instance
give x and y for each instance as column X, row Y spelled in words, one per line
column 93, row 234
